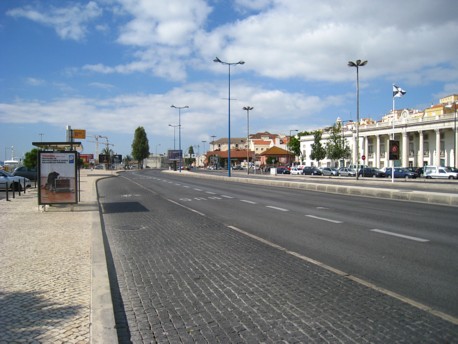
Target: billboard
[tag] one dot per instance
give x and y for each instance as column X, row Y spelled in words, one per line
column 174, row 154
column 57, row 182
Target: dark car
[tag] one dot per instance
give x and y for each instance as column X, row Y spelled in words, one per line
column 22, row 171
column 283, row 170
column 379, row 173
column 312, row 170
column 367, row 172
column 400, row 172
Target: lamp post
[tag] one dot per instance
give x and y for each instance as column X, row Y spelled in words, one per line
column 357, row 64
column 454, row 132
column 229, row 64
column 179, row 130
column 248, row 109
column 173, row 126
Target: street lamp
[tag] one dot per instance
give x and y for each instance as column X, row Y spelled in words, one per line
column 454, row 133
column 179, row 130
column 173, row 126
column 203, row 151
column 229, row 64
column 247, row 109
column 357, row 64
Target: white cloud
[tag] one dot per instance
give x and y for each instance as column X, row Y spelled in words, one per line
column 69, row 22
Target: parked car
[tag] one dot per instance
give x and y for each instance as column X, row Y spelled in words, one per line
column 379, row 173
column 22, row 171
column 15, row 182
column 347, row 172
column 400, row 172
column 283, row 170
column 367, row 172
column 439, row 172
column 330, row 171
column 295, row 170
column 312, row 170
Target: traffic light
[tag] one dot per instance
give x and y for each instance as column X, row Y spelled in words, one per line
column 394, row 150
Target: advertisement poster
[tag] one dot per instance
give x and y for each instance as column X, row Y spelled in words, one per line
column 58, row 177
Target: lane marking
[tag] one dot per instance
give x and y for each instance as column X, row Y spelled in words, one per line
column 198, row 189
column 322, row 208
column 214, row 197
column 210, row 193
column 200, row 198
column 323, row 219
column 442, row 315
column 186, row 186
column 226, row 196
column 276, row 208
column 246, row 201
column 399, row 235
column 185, row 207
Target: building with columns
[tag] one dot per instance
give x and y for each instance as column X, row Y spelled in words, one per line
column 426, row 137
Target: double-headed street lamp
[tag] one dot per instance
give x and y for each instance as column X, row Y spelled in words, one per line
column 229, row 64
column 357, row 64
column 179, row 130
column 248, row 109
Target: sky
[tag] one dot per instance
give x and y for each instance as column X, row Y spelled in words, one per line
column 111, row 66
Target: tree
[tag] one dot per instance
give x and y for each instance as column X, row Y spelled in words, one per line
column 337, row 147
column 294, row 145
column 31, row 158
column 140, row 146
column 190, row 160
column 318, row 151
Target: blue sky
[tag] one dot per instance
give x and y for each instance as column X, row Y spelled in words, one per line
column 109, row 66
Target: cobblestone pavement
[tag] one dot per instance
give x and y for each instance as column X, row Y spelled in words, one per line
column 184, row 278
column 45, row 272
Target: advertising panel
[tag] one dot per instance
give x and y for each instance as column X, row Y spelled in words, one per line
column 174, row 154
column 57, row 182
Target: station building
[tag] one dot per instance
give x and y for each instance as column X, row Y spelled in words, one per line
column 427, row 137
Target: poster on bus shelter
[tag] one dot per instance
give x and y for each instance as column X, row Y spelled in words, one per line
column 57, row 182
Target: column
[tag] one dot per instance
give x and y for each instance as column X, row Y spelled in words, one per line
column 421, row 153
column 405, row 150
column 437, row 157
column 377, row 151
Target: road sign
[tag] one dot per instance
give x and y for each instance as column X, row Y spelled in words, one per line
column 363, row 157
column 79, row 134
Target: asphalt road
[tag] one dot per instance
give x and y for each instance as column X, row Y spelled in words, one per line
column 406, row 248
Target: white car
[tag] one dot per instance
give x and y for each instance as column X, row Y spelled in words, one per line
column 439, row 172
column 7, row 180
column 295, row 170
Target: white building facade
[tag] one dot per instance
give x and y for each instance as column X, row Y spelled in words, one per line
column 426, row 138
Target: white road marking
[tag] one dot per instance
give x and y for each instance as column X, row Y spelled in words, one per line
column 399, row 235
column 225, row 196
column 246, row 201
column 323, row 219
column 210, row 193
column 322, row 208
column 214, row 197
column 276, row 208
column 200, row 198
column 181, row 205
column 186, row 186
column 198, row 189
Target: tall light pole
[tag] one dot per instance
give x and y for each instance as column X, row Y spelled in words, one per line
column 248, row 109
column 454, row 133
column 357, row 64
column 229, row 64
column 203, row 151
column 179, row 130
column 173, row 126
